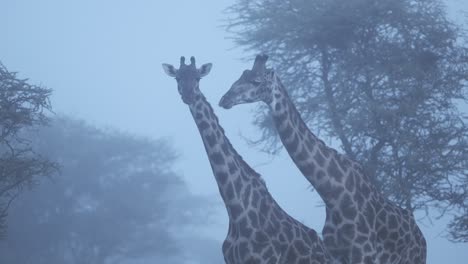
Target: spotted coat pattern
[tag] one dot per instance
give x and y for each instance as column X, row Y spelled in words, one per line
column 259, row 230
column 361, row 225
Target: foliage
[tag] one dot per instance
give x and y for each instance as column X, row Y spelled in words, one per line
column 116, row 198
column 22, row 107
column 384, row 78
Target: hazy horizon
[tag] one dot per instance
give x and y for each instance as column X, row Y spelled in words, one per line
column 103, row 61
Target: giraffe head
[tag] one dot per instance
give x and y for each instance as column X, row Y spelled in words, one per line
column 254, row 85
column 188, row 78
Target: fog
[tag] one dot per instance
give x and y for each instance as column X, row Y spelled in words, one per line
column 103, row 61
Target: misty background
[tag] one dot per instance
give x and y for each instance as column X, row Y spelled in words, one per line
column 113, row 103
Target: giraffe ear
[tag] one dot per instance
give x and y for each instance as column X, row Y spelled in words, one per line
column 169, row 69
column 205, row 69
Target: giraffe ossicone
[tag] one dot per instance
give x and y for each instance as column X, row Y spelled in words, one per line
column 260, row 232
column 361, row 226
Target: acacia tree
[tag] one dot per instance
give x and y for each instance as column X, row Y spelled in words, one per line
column 22, row 107
column 384, row 78
column 115, row 200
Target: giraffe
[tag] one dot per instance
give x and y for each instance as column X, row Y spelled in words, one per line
column 259, row 230
column 361, row 226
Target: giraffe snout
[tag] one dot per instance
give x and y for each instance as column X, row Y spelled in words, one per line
column 225, row 102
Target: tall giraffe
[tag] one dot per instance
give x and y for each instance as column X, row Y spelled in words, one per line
column 361, row 225
column 259, row 230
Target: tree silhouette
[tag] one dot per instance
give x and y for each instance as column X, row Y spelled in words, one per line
column 22, row 107
column 116, row 198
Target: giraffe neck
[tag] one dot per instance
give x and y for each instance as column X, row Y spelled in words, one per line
column 235, row 178
column 322, row 166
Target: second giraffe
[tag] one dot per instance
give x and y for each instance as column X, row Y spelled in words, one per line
column 361, row 226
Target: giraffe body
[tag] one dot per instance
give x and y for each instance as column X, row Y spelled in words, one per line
column 361, row 226
column 259, row 230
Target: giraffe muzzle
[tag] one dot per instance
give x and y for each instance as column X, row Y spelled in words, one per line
column 225, row 103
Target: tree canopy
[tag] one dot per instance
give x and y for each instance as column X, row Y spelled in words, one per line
column 384, row 79
column 116, row 198
column 23, row 107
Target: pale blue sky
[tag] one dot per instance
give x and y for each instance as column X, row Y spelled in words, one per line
column 103, row 60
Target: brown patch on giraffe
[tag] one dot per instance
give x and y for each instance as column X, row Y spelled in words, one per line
column 324, row 149
column 392, row 222
column 238, row 184
column 318, row 157
column 300, row 247
column 206, row 112
column 308, row 170
column 232, row 167
column 347, row 207
column 287, row 130
column 356, row 255
column 384, row 258
column 217, row 158
column 264, row 208
column 293, row 144
column 362, row 225
column 349, row 183
column 347, row 231
column 255, row 198
column 336, row 218
column 244, row 227
column 382, row 233
column 235, row 211
column 330, row 192
column 203, row 125
column 246, row 196
column 291, row 257
column 211, row 140
column 303, row 154
column 222, row 177
column 333, row 171
column 243, row 250
column 230, row 194
column 280, row 119
column 382, row 217
column 320, row 175
column 361, row 239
